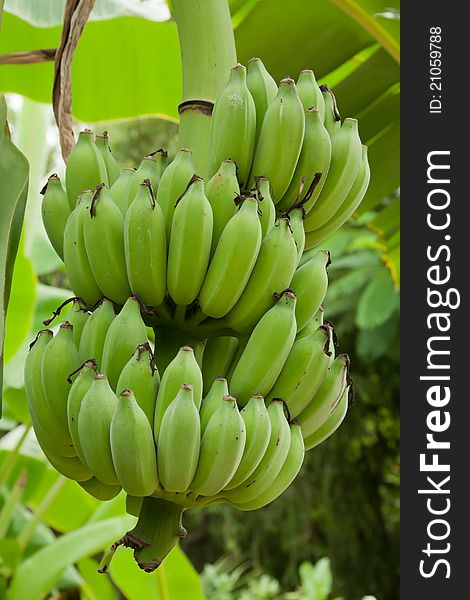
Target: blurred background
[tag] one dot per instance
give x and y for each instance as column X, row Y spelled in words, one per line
column 334, row 533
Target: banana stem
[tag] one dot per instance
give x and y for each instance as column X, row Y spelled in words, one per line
column 155, row 534
column 180, row 313
column 207, row 53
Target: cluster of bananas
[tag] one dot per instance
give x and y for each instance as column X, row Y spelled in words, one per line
column 111, row 422
column 213, row 281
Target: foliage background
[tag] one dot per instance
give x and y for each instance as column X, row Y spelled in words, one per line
column 127, row 74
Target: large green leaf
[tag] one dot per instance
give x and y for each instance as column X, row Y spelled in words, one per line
column 36, row 575
column 14, row 171
column 122, row 68
column 378, row 301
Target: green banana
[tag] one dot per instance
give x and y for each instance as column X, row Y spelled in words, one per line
column 77, row 316
column 304, row 370
column 258, row 433
column 277, row 260
column 141, row 376
column 222, row 191
column 55, row 210
column 296, row 222
column 77, row 392
column 266, row 208
column 112, row 168
column 263, row 89
column 233, row 261
column 190, row 244
column 327, row 397
column 161, row 158
column 266, row 351
column 346, row 152
column 69, row 466
column 179, row 441
column 85, row 167
column 310, row 283
column 310, row 93
column 103, row 230
column 132, row 447
column 148, row 169
column 77, row 265
column 347, row 208
column 312, row 168
column 126, row 332
column 332, row 116
column 48, row 428
column 287, row 474
column 94, row 332
column 173, row 184
column 280, row 140
column 221, row 450
column 233, row 125
column 212, row 400
column 59, row 359
column 100, row 490
column 182, row 369
column 312, row 325
column 270, row 465
column 217, row 358
column 332, row 422
column 145, row 247
column 121, row 190
column 94, row 421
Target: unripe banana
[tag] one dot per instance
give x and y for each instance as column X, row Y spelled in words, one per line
column 327, row 397
column 332, row 116
column 77, row 317
column 100, row 490
column 296, row 221
column 69, row 466
column 280, row 140
column 60, row 358
column 147, row 170
column 103, row 228
column 312, row 169
column 145, row 247
column 347, row 208
column 121, row 190
column 94, row 332
column 94, row 421
column 126, row 332
column 222, row 191
column 310, row 283
column 132, row 447
column 233, row 261
column 346, row 152
column 312, row 325
column 55, row 212
column 266, row 351
column 173, row 184
column 112, row 168
column 273, row 272
column 212, row 400
column 332, row 422
column 263, row 89
column 287, row 474
column 266, row 208
column 310, row 93
column 221, row 450
column 190, row 244
column 77, row 265
column 179, row 441
column 85, row 167
column 270, row 465
column 48, row 428
column 233, row 126
column 182, row 369
column 304, row 370
column 77, row 392
column 141, row 376
column 217, row 358
column 161, row 158
column 258, row 433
